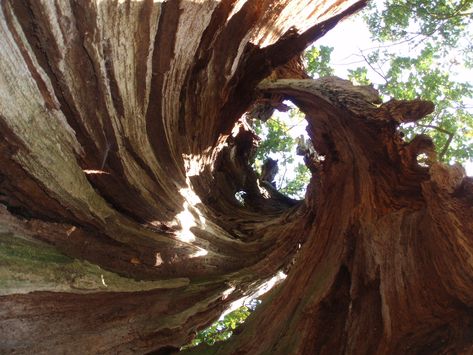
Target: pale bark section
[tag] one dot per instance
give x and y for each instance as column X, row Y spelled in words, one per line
column 120, row 41
column 26, row 110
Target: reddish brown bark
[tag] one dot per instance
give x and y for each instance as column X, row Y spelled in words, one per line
column 386, row 268
column 121, row 156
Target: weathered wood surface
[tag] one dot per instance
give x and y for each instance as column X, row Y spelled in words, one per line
column 120, row 156
column 387, row 267
column 119, row 206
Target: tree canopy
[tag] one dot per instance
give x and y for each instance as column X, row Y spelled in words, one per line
column 420, row 49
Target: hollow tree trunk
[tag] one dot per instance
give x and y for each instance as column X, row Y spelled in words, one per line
column 121, row 154
column 387, row 267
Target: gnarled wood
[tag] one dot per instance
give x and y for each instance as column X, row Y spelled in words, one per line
column 386, row 268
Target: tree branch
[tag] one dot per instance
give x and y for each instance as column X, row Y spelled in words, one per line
column 449, row 140
column 371, row 66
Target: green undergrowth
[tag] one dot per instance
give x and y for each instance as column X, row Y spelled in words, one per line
column 224, row 328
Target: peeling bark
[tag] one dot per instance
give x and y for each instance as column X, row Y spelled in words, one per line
column 122, row 150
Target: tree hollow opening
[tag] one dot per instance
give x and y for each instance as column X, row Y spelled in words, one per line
column 282, row 150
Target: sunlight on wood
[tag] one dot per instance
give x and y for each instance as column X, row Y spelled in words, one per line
column 95, row 172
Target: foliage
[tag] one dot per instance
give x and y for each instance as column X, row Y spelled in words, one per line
column 451, row 124
column 317, row 60
column 440, row 21
column 278, row 142
column 223, row 329
column 438, row 35
column 422, row 48
column 435, row 40
column 275, row 140
column 296, row 187
column 359, row 76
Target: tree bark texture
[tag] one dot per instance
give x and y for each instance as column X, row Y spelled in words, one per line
column 122, row 150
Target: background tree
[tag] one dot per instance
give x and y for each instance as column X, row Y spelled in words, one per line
column 123, row 150
column 279, row 139
column 420, row 49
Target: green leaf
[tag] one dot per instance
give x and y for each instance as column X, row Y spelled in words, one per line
column 318, row 61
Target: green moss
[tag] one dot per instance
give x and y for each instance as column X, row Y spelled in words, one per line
column 12, row 248
column 29, row 265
